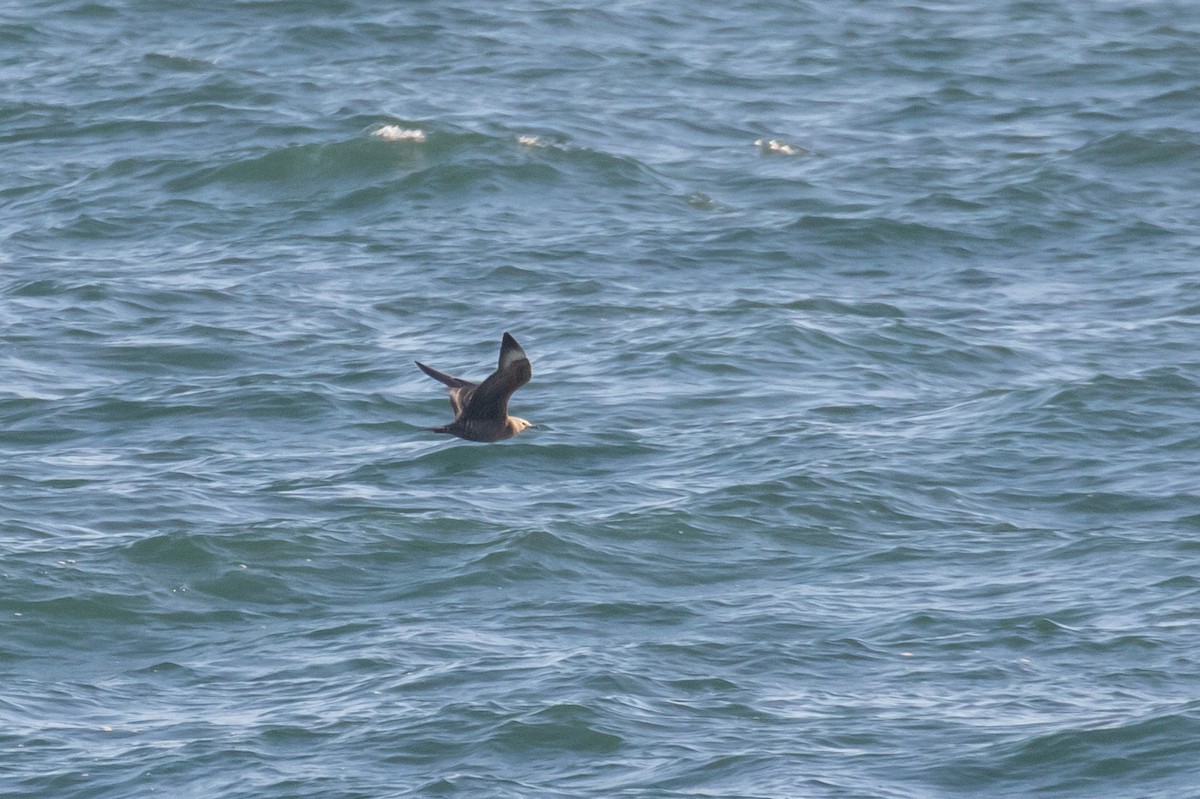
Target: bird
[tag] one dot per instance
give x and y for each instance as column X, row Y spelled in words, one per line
column 481, row 410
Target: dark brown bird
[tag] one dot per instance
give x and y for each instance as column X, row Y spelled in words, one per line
column 481, row 411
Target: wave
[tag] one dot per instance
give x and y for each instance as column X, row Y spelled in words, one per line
column 1106, row 754
column 405, row 158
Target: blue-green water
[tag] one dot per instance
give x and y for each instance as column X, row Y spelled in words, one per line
column 865, row 344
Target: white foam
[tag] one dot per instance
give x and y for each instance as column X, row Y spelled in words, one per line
column 776, row 146
column 397, row 133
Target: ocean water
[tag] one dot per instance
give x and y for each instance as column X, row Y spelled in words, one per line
column 865, row 373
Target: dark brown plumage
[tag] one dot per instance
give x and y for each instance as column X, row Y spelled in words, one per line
column 481, row 411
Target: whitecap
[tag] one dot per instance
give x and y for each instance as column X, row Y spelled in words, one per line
column 779, row 147
column 397, row 133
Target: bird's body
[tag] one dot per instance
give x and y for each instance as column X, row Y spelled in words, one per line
column 481, row 410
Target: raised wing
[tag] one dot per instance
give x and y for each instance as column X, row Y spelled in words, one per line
column 489, row 400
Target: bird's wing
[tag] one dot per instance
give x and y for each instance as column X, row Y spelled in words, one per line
column 490, row 399
column 461, row 390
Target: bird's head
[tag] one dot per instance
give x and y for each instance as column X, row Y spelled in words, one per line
column 520, row 424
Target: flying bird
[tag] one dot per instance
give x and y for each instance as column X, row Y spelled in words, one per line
column 481, row 411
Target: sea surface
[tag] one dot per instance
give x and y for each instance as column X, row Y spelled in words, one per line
column 866, row 382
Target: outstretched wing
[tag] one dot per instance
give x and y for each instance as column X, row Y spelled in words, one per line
column 489, row 400
column 461, row 390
